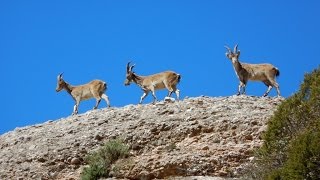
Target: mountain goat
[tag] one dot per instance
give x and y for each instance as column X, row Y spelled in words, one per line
column 167, row 79
column 94, row 89
column 266, row 73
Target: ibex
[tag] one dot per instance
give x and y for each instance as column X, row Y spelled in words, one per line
column 266, row 73
column 94, row 89
column 167, row 79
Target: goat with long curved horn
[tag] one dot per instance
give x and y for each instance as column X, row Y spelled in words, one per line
column 266, row 73
column 167, row 79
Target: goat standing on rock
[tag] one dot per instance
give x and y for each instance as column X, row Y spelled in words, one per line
column 94, row 89
column 167, row 79
column 266, row 73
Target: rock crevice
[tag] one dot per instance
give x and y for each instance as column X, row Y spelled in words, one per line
column 202, row 136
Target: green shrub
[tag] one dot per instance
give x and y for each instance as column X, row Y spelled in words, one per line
column 303, row 157
column 94, row 171
column 115, row 150
column 100, row 161
column 292, row 143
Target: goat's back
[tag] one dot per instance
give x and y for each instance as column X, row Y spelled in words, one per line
column 99, row 85
column 169, row 76
column 95, row 85
column 260, row 71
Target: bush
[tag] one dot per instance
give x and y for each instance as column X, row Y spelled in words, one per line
column 100, row 161
column 291, row 148
column 303, row 157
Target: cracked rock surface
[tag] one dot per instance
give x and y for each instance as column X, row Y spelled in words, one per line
column 199, row 137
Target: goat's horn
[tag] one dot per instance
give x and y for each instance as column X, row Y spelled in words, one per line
column 235, row 48
column 128, row 66
column 60, row 76
column 132, row 67
column 229, row 50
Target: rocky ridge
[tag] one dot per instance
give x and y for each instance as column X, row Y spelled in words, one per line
column 202, row 136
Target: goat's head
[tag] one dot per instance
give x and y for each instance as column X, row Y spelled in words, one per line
column 233, row 56
column 129, row 74
column 60, row 83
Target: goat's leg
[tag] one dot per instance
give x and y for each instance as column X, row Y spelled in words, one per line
column 170, row 89
column 75, row 109
column 145, row 93
column 177, row 94
column 271, row 83
column 278, row 90
column 177, row 91
column 106, row 98
column 243, row 86
column 267, row 92
column 154, row 97
column 244, row 89
column 97, row 103
column 239, row 88
column 276, row 85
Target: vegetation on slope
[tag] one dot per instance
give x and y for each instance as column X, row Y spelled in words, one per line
column 292, row 140
column 100, row 161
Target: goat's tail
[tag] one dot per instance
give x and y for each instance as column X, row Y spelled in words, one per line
column 178, row 78
column 174, row 79
column 276, row 71
column 105, row 87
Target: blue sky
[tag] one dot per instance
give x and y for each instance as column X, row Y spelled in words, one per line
column 95, row 39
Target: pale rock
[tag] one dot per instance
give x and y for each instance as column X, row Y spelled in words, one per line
column 75, row 161
column 169, row 99
column 195, row 138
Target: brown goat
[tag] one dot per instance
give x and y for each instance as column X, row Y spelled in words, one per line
column 167, row 79
column 266, row 73
column 94, row 89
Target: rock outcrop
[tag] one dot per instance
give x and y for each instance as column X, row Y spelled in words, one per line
column 202, row 136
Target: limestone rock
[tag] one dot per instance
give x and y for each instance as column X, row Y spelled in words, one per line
column 201, row 137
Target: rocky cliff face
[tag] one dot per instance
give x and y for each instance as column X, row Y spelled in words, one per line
column 203, row 136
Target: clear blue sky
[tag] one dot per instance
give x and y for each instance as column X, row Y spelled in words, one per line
column 95, row 39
